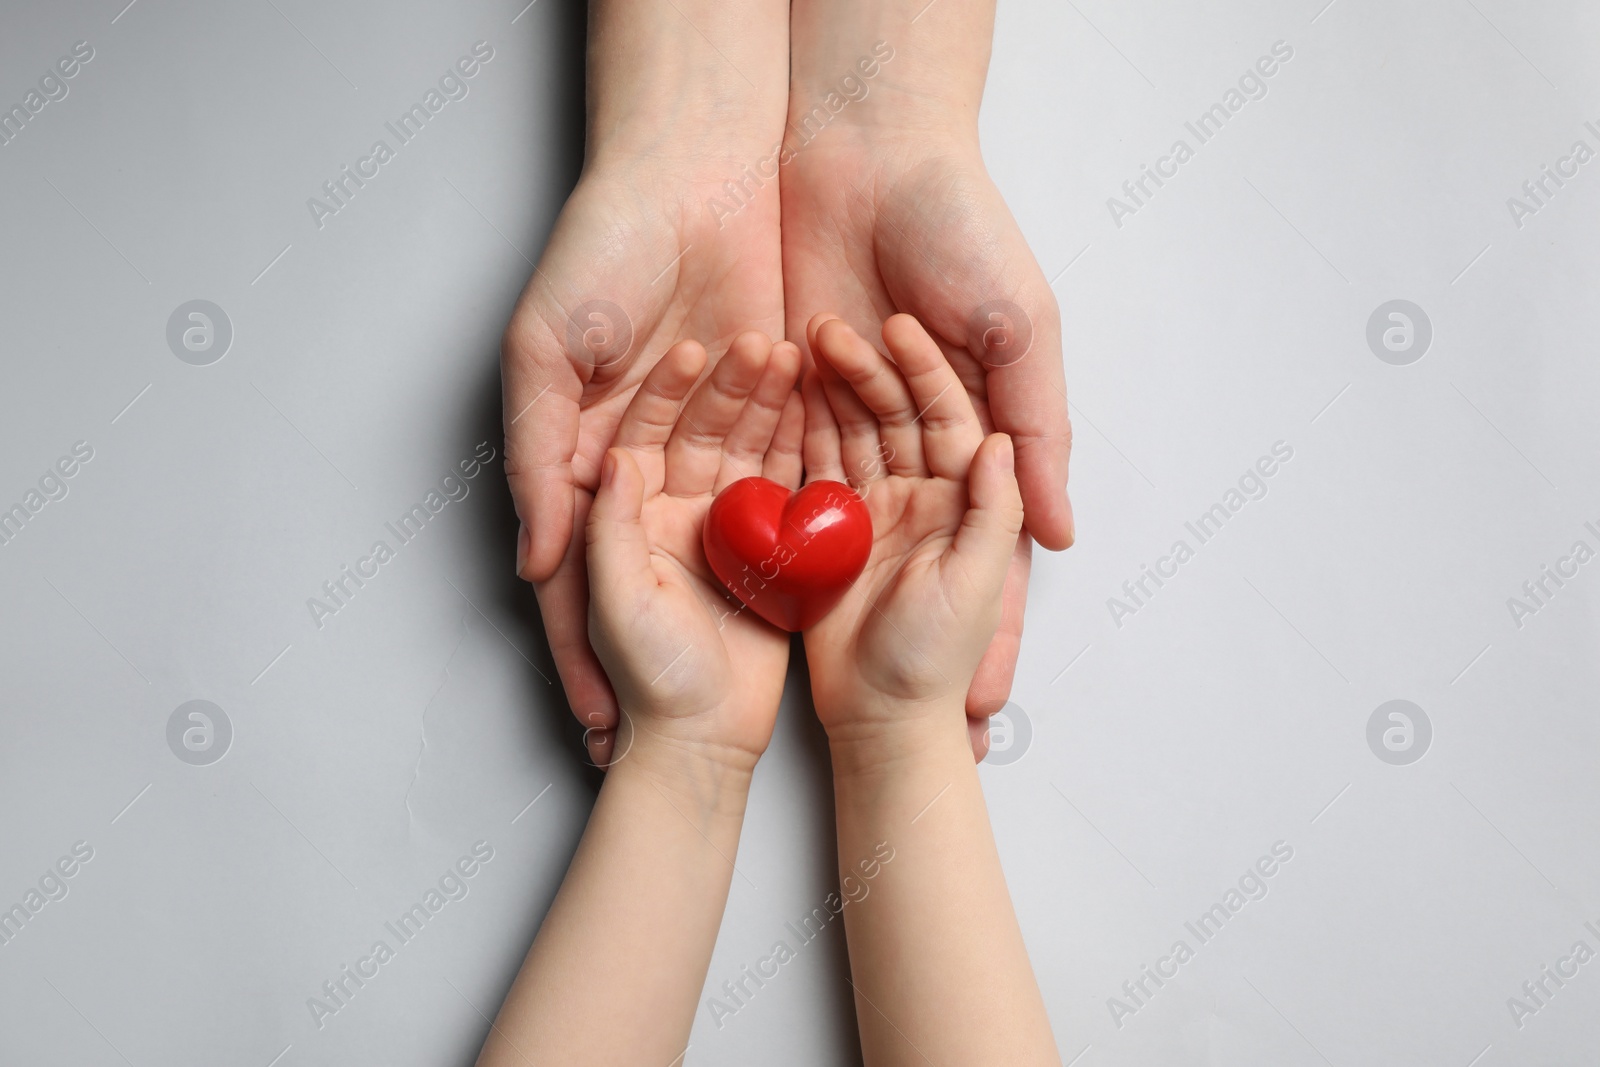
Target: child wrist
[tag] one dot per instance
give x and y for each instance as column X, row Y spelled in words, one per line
column 698, row 779
column 873, row 747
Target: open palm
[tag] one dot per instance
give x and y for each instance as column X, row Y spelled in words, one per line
column 663, row 626
column 905, row 435
column 891, row 223
column 635, row 263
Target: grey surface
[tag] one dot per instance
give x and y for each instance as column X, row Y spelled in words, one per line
column 1168, row 753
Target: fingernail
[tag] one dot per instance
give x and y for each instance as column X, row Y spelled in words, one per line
column 524, row 545
column 1008, row 456
column 608, row 469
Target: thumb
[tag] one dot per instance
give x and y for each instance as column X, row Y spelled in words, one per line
column 988, row 535
column 541, row 417
column 619, row 552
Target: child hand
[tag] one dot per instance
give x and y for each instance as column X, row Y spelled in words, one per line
column 688, row 666
column 901, row 648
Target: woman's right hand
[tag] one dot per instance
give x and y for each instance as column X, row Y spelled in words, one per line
column 649, row 250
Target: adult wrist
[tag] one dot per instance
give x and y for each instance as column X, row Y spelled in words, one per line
column 845, row 105
column 891, row 65
column 673, row 79
column 677, row 121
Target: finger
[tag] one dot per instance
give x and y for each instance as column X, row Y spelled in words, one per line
column 882, row 387
column 862, row 451
column 694, row 451
column 746, row 445
column 599, row 743
column 1028, row 400
column 821, row 449
column 653, row 412
column 991, row 684
column 541, row 395
column 978, row 734
column 784, row 462
column 949, row 423
column 814, row 324
column 564, row 608
column 620, row 574
column 619, row 552
column 987, row 537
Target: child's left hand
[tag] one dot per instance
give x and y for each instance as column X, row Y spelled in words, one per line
column 688, row 665
column 903, row 645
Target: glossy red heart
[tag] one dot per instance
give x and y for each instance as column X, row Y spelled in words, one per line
column 788, row 556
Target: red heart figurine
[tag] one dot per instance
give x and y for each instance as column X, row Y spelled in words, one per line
column 788, row 556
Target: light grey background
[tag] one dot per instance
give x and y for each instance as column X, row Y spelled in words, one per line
column 1168, row 753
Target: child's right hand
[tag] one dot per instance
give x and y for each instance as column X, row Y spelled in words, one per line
column 899, row 651
column 936, row 947
column 687, row 664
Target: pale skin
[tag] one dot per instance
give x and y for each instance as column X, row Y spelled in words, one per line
column 888, row 209
column 671, row 117
column 615, row 972
column 937, row 960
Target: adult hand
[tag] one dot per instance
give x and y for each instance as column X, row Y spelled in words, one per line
column 650, row 249
column 887, row 207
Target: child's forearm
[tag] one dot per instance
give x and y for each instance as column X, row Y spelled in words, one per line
column 939, row 966
column 615, row 973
